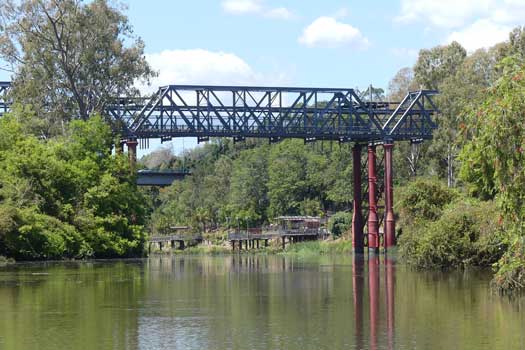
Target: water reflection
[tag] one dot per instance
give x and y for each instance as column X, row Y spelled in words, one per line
column 252, row 302
column 374, row 300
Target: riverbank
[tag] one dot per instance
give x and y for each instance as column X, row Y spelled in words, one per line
column 325, row 247
column 444, row 228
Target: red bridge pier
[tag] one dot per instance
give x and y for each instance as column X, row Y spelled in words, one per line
column 390, row 226
column 373, row 197
column 357, row 215
column 373, row 221
column 132, row 151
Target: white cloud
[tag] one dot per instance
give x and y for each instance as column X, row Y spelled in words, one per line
column 256, row 7
column 481, row 34
column 279, row 13
column 457, row 13
column 442, row 13
column 473, row 23
column 240, row 7
column 328, row 32
column 202, row 67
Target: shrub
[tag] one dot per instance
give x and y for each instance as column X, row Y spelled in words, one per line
column 339, row 223
column 467, row 234
column 39, row 236
column 510, row 275
column 423, row 199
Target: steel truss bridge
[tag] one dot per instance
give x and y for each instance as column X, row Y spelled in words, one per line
column 277, row 113
column 268, row 112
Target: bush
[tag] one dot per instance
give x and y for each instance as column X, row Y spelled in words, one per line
column 467, row 234
column 510, row 275
column 37, row 236
column 423, row 199
column 339, row 223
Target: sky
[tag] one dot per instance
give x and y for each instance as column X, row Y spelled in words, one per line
column 329, row 43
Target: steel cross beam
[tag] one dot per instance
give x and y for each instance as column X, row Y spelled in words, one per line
column 269, row 112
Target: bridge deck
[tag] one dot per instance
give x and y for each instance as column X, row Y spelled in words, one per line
column 268, row 112
column 160, row 177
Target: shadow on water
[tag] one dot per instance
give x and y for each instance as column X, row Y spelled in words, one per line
column 255, row 302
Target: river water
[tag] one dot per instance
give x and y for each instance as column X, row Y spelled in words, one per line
column 252, row 302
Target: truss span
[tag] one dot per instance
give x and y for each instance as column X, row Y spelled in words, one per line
column 269, row 112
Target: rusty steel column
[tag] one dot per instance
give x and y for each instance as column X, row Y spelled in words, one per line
column 390, row 225
column 357, row 215
column 132, row 151
column 373, row 222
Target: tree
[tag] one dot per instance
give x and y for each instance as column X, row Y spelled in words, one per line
column 434, row 65
column 434, row 68
column 495, row 158
column 69, row 58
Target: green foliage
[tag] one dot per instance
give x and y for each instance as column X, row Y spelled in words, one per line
column 315, row 248
column 423, row 199
column 340, row 223
column 510, row 275
column 67, row 197
column 494, row 161
column 466, row 234
column 251, row 183
column 40, row 236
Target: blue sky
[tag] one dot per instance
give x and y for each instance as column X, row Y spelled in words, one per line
column 329, row 43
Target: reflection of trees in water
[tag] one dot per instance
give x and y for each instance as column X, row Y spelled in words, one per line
column 243, row 301
column 71, row 305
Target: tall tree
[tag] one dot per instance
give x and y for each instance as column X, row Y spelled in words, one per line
column 70, row 58
column 433, row 68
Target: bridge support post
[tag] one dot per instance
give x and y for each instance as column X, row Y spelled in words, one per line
column 132, row 151
column 373, row 222
column 357, row 215
column 390, row 225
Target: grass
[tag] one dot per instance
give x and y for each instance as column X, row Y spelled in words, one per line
column 313, row 248
column 5, row 261
column 339, row 246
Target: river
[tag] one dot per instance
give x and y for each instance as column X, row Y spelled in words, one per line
column 252, row 302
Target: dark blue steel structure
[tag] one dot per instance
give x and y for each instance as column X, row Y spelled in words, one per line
column 269, row 112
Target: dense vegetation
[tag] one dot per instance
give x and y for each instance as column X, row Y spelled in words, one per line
column 67, row 196
column 250, row 184
column 63, row 194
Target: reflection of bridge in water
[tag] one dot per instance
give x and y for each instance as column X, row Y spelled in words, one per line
column 374, row 299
